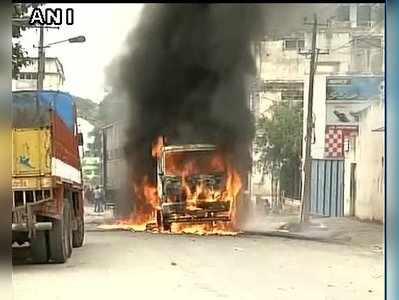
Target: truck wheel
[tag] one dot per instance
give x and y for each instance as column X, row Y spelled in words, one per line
column 38, row 248
column 79, row 234
column 69, row 229
column 60, row 237
column 166, row 226
column 162, row 220
column 159, row 220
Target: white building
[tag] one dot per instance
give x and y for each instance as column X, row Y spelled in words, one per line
column 27, row 78
column 347, row 78
column 347, row 81
column 364, row 166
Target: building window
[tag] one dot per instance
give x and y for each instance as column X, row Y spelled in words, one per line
column 28, row 76
column 289, row 90
column 378, row 14
column 294, row 44
column 367, row 54
column 363, row 15
column 366, row 42
column 301, row 44
column 343, row 13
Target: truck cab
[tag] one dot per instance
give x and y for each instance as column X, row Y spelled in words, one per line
column 191, row 184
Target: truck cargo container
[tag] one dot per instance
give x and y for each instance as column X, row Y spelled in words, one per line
column 114, row 165
column 47, row 203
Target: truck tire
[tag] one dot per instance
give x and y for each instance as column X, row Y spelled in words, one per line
column 79, row 234
column 162, row 223
column 166, row 225
column 159, row 219
column 60, row 237
column 38, row 248
column 69, row 228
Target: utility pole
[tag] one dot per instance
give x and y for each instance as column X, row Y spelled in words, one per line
column 41, row 60
column 41, row 63
column 41, row 57
column 309, row 123
column 24, row 22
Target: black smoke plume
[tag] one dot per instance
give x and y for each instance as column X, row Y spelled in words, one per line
column 186, row 77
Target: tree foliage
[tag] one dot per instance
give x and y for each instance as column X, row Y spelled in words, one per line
column 279, row 141
column 19, row 11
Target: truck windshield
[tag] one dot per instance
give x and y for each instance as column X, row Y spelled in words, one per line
column 187, row 163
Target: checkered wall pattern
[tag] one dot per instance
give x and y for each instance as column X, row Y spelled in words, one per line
column 334, row 142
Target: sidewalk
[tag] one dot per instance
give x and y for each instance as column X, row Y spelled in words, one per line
column 345, row 230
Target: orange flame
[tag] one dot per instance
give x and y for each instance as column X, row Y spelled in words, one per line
column 146, row 200
column 184, row 164
column 233, row 187
column 157, row 146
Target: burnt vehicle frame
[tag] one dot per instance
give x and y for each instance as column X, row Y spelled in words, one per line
column 169, row 185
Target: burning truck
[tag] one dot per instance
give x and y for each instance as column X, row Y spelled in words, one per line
column 194, row 185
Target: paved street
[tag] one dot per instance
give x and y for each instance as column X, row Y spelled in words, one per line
column 134, row 265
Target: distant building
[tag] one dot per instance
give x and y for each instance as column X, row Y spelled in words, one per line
column 115, row 166
column 27, row 78
column 348, row 79
column 91, row 169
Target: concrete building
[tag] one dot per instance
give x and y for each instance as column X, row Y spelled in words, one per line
column 349, row 77
column 115, row 167
column 347, row 81
column 53, row 80
column 364, row 166
column 348, row 106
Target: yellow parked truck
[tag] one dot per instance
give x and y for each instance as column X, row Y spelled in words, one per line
column 47, row 203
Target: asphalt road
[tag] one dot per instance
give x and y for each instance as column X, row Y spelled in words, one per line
column 130, row 265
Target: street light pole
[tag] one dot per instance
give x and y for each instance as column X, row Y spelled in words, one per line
column 42, row 56
column 24, row 22
column 41, row 60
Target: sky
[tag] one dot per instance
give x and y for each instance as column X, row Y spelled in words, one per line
column 105, row 27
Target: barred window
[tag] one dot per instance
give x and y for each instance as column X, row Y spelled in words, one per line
column 28, row 76
column 294, row 44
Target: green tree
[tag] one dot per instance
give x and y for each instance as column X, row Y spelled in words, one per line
column 279, row 144
column 19, row 11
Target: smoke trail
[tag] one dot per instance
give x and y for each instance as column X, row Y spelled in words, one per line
column 186, row 77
